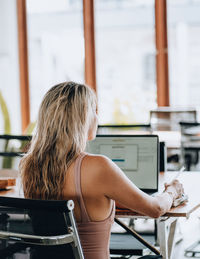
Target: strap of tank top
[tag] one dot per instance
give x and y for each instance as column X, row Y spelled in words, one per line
column 77, row 177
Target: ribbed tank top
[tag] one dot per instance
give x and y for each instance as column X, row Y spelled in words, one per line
column 94, row 235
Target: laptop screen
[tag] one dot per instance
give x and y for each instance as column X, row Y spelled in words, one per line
column 136, row 155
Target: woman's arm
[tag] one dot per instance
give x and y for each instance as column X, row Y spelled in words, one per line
column 115, row 185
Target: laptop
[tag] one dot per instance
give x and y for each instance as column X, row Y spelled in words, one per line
column 136, row 155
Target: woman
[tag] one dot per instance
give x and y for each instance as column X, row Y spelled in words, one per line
column 56, row 167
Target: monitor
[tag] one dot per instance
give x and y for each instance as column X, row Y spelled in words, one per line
column 136, row 155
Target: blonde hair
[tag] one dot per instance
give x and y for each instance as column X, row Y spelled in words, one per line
column 63, row 123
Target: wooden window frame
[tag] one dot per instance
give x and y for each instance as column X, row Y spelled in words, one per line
column 162, row 77
column 89, row 38
column 23, row 64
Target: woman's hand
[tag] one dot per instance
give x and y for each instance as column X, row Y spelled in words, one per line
column 175, row 188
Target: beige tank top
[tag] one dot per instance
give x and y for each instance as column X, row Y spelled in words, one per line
column 94, row 235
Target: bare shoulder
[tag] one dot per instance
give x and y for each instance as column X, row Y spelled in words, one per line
column 99, row 162
column 97, row 159
column 98, row 174
column 100, row 165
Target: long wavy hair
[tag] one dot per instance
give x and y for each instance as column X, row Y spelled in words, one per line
column 63, row 123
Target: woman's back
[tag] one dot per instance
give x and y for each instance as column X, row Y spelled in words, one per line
column 97, row 205
column 94, row 233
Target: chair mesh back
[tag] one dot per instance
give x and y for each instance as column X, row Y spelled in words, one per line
column 37, row 222
column 48, row 224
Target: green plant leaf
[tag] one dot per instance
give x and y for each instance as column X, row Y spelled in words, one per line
column 6, row 117
column 30, row 128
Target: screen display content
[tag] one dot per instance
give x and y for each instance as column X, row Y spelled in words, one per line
column 136, row 155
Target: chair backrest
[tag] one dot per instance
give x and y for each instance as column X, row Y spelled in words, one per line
column 11, row 149
column 49, row 228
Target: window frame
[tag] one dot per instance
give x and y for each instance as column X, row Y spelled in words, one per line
column 162, row 75
column 23, row 64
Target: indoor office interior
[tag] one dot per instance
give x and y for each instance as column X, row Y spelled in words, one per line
column 142, row 59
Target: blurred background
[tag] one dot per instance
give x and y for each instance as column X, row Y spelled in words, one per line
column 125, row 55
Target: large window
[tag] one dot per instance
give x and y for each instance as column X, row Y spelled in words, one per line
column 125, row 58
column 9, row 71
column 56, row 45
column 184, row 52
column 125, row 54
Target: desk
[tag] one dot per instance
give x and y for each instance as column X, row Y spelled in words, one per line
column 166, row 223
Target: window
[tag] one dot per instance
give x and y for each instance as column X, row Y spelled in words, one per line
column 125, row 58
column 56, row 45
column 9, row 71
column 184, row 52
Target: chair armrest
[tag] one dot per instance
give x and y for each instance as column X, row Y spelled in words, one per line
column 38, row 240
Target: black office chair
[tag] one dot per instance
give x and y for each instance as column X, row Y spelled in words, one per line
column 190, row 143
column 131, row 243
column 46, row 229
column 12, row 148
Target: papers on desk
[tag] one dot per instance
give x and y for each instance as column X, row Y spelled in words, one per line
column 181, row 200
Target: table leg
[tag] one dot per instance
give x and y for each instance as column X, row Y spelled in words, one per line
column 162, row 238
column 171, row 238
column 166, row 234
